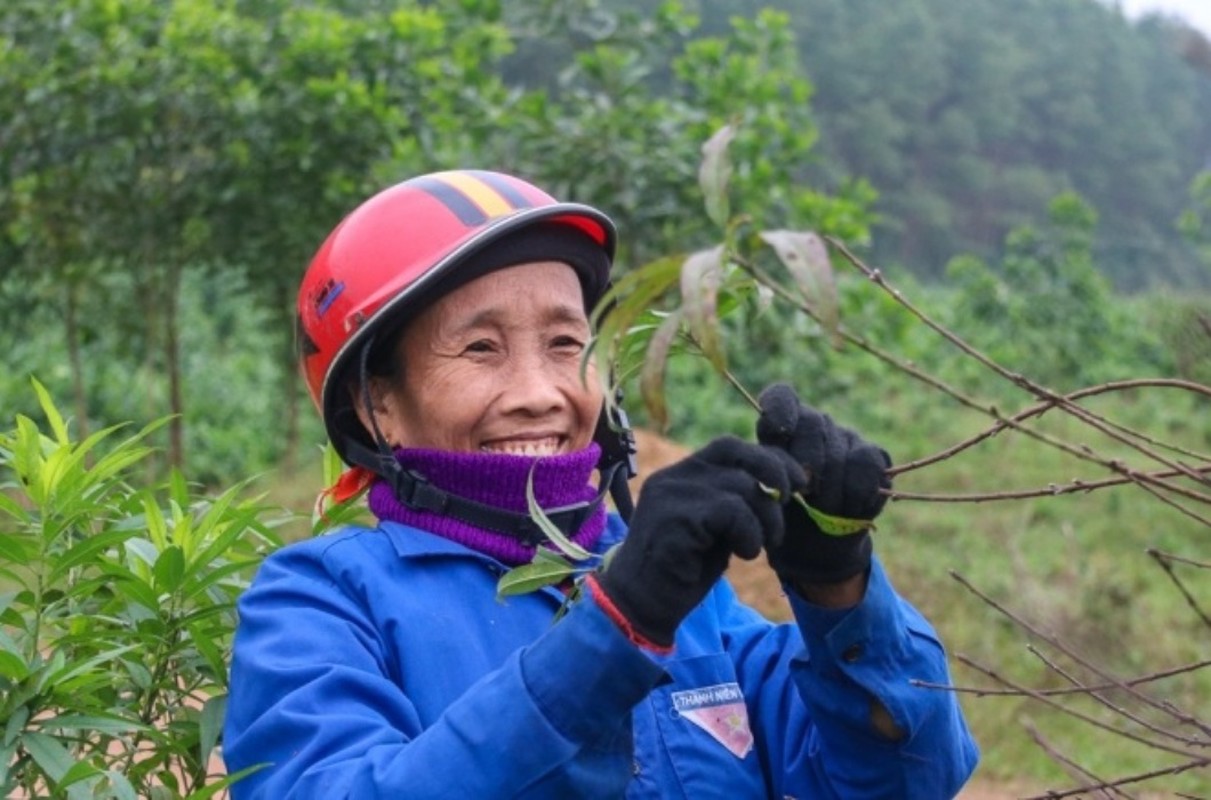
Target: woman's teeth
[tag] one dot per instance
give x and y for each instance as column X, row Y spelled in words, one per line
column 529, row 447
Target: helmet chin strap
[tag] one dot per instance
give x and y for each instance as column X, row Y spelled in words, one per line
column 415, row 491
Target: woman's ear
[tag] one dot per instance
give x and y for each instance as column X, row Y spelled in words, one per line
column 383, row 409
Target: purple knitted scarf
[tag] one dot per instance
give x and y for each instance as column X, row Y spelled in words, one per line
column 498, row 480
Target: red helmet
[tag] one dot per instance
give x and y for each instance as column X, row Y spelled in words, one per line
column 412, row 242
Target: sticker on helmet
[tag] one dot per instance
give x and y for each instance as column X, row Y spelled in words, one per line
column 327, row 293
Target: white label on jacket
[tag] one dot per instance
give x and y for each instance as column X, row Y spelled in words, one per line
column 720, row 711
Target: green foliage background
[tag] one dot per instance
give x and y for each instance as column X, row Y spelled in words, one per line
column 1029, row 172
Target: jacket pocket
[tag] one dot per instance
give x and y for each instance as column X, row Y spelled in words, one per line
column 703, row 720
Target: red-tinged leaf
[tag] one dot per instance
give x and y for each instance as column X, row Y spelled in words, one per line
column 701, row 275
column 806, row 258
column 715, row 173
column 651, row 379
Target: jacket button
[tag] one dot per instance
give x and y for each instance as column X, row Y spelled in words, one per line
column 852, row 653
column 635, row 766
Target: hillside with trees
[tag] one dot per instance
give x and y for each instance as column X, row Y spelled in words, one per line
column 968, row 116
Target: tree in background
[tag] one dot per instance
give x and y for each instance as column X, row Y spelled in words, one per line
column 144, row 140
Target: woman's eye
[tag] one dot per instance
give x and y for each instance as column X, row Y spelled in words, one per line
column 480, row 346
column 567, row 342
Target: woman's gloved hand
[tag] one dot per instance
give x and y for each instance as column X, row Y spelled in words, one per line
column 845, row 475
column 691, row 517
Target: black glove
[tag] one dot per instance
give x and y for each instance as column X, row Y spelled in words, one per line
column 690, row 518
column 845, row 474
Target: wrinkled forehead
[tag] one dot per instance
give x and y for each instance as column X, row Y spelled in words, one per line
column 519, row 298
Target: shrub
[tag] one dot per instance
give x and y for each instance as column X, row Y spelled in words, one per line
column 117, row 606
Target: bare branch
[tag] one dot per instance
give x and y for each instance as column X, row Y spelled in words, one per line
column 1052, row 490
column 982, row 691
column 1196, row 763
column 1080, row 715
column 1103, row 788
column 1093, row 420
column 1041, row 408
column 1163, row 562
column 1084, row 662
column 1117, row 709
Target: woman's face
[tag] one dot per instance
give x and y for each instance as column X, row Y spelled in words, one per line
column 494, row 366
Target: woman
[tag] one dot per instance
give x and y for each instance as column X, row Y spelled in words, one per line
column 441, row 327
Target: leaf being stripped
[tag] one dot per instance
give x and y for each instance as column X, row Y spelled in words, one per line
column 549, row 528
column 701, row 275
column 806, row 258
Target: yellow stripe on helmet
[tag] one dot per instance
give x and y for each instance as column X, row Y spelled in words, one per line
column 490, row 201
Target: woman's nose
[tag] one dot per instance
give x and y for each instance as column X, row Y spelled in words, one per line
column 534, row 385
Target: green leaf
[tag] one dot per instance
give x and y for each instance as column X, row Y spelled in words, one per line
column 120, row 786
column 79, row 771
column 109, row 723
column 566, row 545
column 16, row 550
column 211, row 724
column 546, row 569
column 701, row 275
column 75, row 669
column 170, row 569
column 835, row 526
column 13, row 667
column 52, row 414
column 54, row 759
column 11, row 507
column 16, row 724
column 210, row 790
column 87, row 550
column 715, row 173
column 157, row 529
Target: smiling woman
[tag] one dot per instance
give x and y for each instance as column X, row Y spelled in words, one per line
column 442, row 328
column 494, row 367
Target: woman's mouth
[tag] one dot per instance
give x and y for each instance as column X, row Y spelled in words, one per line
column 546, row 446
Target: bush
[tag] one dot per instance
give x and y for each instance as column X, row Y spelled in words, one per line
column 117, row 606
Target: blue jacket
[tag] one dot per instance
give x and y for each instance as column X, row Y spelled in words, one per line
column 379, row 664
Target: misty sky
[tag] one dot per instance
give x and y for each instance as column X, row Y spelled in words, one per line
column 1196, row 12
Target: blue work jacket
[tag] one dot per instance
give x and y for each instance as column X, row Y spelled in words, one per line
column 378, row 663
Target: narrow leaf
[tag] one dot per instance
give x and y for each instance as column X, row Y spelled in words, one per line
column 566, row 545
column 546, row 569
column 834, row 526
column 86, row 551
column 16, row 724
column 94, row 723
column 651, row 379
column 120, row 786
column 212, row 789
column 701, row 275
column 52, row 414
column 170, row 569
column 211, row 723
column 79, row 771
column 715, row 173
column 806, row 258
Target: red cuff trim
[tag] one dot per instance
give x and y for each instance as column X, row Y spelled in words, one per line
column 618, row 618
